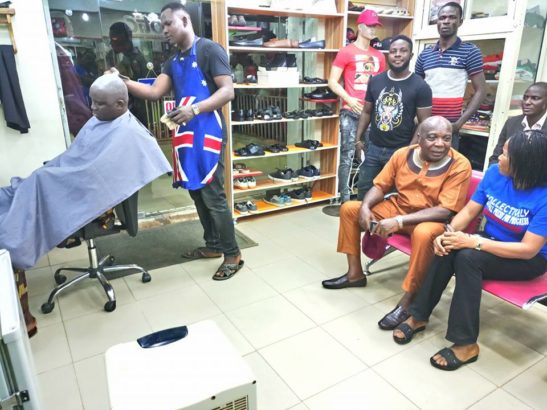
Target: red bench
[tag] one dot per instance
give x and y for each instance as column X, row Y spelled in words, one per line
column 520, row 293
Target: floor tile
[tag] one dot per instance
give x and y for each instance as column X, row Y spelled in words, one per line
column 499, row 400
column 40, row 281
column 233, row 334
column 163, row 280
column 269, row 320
column 266, row 253
column 411, row 373
column 242, row 289
column 63, row 255
column 501, row 361
column 91, row 376
column 289, row 272
column 365, row 390
column 89, row 296
column 300, row 406
column 322, row 305
column 272, row 392
column 311, row 361
column 50, row 348
column 92, row 334
column 359, row 332
column 59, row 389
column 178, row 308
column 331, row 264
column 530, row 386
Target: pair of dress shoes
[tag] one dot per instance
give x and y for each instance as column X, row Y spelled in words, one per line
column 281, row 61
column 312, row 44
column 321, row 94
column 287, row 43
column 248, row 42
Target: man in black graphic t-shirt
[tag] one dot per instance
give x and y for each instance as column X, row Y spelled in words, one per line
column 394, row 98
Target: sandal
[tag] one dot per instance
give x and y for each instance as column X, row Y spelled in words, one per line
column 227, row 270
column 452, row 362
column 408, row 332
column 201, row 253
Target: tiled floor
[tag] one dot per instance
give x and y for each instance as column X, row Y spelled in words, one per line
column 310, row 348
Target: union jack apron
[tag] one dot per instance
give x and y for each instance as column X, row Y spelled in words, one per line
column 196, row 145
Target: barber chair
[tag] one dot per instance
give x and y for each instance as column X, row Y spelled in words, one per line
column 126, row 213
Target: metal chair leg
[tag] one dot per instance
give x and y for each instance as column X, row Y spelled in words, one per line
column 389, row 249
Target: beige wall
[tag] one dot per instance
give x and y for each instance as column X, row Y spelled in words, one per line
column 20, row 153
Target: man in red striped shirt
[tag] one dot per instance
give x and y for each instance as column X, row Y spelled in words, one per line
column 447, row 66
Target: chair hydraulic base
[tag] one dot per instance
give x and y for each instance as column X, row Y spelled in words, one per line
column 96, row 270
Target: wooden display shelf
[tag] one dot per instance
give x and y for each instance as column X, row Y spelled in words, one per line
column 384, row 16
column 6, row 17
column 264, row 207
column 292, row 150
column 247, row 174
column 330, row 101
column 251, row 50
column 267, row 11
column 256, row 122
column 264, row 184
column 470, row 131
column 244, row 28
column 256, row 85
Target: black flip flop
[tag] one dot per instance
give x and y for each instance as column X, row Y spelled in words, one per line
column 452, row 362
column 201, row 253
column 228, row 270
column 408, row 332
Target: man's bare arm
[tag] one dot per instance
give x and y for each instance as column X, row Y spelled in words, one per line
column 153, row 92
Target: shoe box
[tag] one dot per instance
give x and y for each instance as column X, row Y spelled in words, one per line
column 289, row 77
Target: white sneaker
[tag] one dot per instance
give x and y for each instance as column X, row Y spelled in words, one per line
column 241, row 183
column 251, row 182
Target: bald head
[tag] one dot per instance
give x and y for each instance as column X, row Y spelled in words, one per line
column 435, row 138
column 109, row 97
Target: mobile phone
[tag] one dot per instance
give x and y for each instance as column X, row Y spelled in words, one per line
column 372, row 226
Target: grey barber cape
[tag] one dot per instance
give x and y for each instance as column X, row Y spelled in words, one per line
column 107, row 162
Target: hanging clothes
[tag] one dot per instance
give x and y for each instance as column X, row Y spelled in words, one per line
column 10, row 92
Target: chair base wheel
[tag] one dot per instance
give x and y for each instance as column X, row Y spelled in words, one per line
column 60, row 279
column 110, row 306
column 47, row 307
column 146, row 277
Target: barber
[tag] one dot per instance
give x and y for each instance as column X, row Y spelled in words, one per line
column 200, row 75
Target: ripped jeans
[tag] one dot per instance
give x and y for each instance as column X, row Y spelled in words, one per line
column 348, row 128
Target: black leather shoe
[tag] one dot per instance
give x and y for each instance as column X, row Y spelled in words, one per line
column 343, row 282
column 312, row 44
column 394, row 318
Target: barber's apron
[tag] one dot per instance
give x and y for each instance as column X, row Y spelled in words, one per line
column 196, row 144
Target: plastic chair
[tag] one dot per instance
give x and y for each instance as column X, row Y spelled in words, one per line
column 126, row 213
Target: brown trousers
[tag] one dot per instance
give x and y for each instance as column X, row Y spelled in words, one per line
column 421, row 237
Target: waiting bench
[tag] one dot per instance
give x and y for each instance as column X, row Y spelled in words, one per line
column 520, row 293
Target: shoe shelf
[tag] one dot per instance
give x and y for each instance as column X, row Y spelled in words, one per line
column 384, row 16
column 333, row 100
column 282, row 120
column 265, row 184
column 267, row 11
column 300, row 85
column 247, row 174
column 250, row 50
column 292, row 150
column 244, row 28
column 469, row 131
column 265, row 207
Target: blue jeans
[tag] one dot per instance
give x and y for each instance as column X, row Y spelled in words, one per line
column 214, row 213
column 348, row 128
column 375, row 159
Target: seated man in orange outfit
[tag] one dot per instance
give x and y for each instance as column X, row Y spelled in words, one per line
column 431, row 180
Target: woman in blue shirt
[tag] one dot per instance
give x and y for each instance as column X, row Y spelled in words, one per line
column 513, row 199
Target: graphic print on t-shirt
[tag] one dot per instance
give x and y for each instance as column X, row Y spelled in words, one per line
column 389, row 109
column 365, row 66
column 513, row 219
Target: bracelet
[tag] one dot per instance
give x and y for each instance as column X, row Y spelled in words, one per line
column 399, row 220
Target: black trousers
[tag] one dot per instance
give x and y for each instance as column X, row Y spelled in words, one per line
column 470, row 267
column 214, row 214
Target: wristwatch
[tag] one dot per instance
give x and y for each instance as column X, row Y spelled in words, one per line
column 479, row 243
column 195, row 109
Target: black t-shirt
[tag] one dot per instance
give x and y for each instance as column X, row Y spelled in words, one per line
column 394, row 107
column 212, row 60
